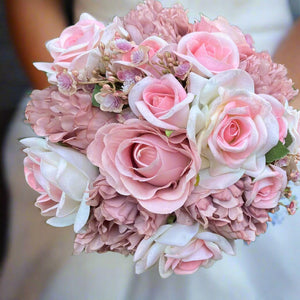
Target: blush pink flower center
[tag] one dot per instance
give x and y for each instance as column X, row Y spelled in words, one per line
column 144, row 155
column 159, row 98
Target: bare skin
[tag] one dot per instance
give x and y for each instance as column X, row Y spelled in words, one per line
column 30, row 29
column 288, row 53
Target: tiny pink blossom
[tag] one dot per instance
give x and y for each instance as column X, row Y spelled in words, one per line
column 66, row 83
column 123, row 45
column 292, row 208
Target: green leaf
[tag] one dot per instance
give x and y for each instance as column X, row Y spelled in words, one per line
column 288, row 140
column 97, row 89
column 276, row 153
column 197, row 179
column 168, row 132
column 171, row 219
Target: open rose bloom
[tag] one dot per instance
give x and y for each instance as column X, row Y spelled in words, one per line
column 162, row 139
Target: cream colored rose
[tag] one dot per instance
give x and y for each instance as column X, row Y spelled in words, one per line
column 62, row 176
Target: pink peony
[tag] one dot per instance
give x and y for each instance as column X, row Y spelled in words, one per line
column 100, row 188
column 102, row 236
column 138, row 159
column 269, row 78
column 151, row 18
column 69, row 119
column 118, row 225
column 226, row 212
column 122, row 210
column 162, row 102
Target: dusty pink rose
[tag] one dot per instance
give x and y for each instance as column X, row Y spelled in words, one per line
column 269, row 78
column 138, row 159
column 267, row 188
column 151, row 18
column 192, row 248
column 162, row 102
column 209, row 53
column 220, row 24
column 69, row 119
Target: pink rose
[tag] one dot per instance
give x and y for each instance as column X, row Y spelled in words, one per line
column 192, row 248
column 220, row 24
column 267, row 188
column 76, row 43
column 75, row 40
column 234, row 128
column 209, row 53
column 162, row 102
column 187, row 260
column 240, row 129
column 138, row 159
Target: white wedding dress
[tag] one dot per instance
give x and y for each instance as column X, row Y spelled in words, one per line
column 40, row 264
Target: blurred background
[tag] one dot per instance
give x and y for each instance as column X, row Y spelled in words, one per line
column 13, row 84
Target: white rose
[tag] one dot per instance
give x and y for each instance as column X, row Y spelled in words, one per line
column 293, row 117
column 62, row 176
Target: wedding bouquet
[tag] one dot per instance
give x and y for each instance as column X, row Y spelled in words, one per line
column 161, row 138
